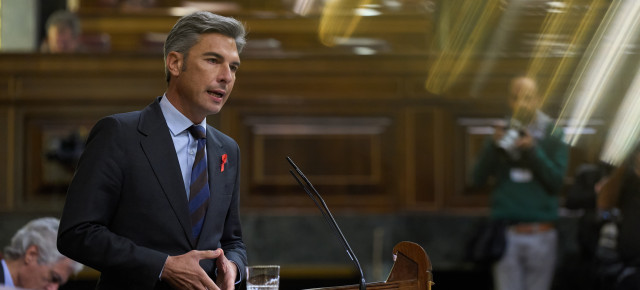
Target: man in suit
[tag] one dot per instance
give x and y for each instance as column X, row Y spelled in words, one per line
column 32, row 260
column 151, row 206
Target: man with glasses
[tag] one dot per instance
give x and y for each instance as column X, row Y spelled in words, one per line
column 32, row 260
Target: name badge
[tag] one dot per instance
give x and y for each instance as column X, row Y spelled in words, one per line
column 521, row 175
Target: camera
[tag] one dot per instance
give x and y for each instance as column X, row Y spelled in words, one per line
column 508, row 141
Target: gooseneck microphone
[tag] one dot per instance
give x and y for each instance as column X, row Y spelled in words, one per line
column 326, row 213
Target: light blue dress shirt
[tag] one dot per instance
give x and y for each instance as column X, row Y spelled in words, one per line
column 7, row 276
column 186, row 146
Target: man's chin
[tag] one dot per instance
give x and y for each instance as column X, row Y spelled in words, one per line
column 213, row 111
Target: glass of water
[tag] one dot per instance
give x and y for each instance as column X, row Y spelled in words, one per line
column 264, row 277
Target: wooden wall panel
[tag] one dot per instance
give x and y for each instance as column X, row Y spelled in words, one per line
column 53, row 144
column 7, row 153
column 6, row 87
column 90, row 87
column 49, row 139
column 132, row 32
column 113, row 65
column 251, row 87
column 350, row 159
column 423, row 172
column 336, row 65
column 369, row 134
column 469, row 131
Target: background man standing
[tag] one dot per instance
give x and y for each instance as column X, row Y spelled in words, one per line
column 528, row 161
column 154, row 203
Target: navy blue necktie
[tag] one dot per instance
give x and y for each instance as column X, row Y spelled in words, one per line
column 199, row 188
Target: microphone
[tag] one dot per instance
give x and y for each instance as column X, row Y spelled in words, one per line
column 326, row 213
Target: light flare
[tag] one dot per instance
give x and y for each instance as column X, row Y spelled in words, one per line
column 625, row 129
column 473, row 24
column 339, row 20
column 603, row 57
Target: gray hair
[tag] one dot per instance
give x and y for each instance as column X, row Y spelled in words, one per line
column 186, row 33
column 67, row 19
column 41, row 233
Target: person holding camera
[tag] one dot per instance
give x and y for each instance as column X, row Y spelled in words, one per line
column 527, row 159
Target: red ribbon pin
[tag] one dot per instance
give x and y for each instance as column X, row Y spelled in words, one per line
column 224, row 161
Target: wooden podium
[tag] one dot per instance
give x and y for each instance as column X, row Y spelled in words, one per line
column 411, row 271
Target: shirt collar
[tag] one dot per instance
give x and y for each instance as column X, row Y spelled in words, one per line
column 176, row 121
column 7, row 275
column 538, row 127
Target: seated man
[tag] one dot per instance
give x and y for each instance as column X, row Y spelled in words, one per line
column 32, row 260
column 63, row 33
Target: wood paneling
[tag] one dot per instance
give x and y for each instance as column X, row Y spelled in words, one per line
column 319, row 88
column 88, row 87
column 363, row 128
column 130, row 32
column 468, row 133
column 424, row 174
column 7, row 154
column 350, row 156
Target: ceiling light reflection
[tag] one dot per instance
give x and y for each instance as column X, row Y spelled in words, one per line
column 303, row 7
column 339, row 19
column 362, row 50
column 366, row 12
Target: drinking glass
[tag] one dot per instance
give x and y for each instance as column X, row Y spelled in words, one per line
column 263, row 277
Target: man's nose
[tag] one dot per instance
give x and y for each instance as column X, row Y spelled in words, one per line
column 225, row 75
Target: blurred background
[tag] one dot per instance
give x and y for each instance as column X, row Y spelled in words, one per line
column 384, row 105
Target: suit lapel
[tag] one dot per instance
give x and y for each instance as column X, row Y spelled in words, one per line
column 159, row 150
column 1, row 274
column 216, row 181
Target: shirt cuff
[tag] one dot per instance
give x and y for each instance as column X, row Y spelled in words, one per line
column 162, row 270
column 238, row 277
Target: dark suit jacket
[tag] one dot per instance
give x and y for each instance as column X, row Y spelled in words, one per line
column 126, row 208
column 1, row 274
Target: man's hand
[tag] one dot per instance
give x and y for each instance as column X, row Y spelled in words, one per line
column 525, row 141
column 227, row 273
column 184, row 271
column 498, row 132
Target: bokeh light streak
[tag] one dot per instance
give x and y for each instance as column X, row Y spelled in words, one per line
column 558, row 23
column 625, row 129
column 303, row 7
column 473, row 24
column 579, row 36
column 509, row 18
column 339, row 20
column 603, row 57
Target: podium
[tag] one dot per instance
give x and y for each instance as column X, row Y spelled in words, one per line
column 411, row 271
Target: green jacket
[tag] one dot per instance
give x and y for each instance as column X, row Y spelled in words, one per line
column 531, row 201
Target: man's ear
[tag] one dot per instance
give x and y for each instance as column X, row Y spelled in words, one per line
column 31, row 255
column 175, row 62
